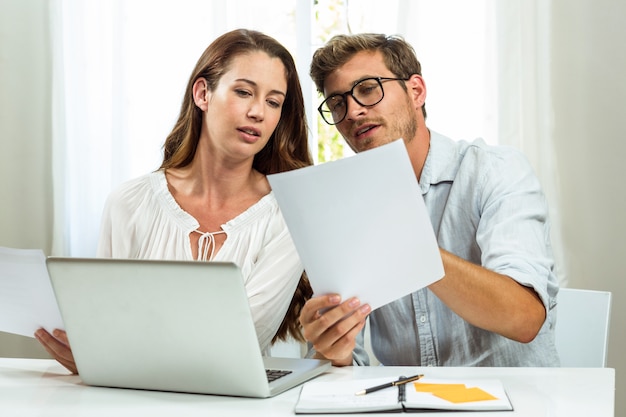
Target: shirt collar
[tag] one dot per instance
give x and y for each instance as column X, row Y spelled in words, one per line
column 440, row 165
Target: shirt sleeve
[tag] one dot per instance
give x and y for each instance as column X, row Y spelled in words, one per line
column 514, row 228
column 272, row 282
column 117, row 228
column 104, row 242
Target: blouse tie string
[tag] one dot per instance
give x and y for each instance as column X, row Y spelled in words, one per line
column 206, row 245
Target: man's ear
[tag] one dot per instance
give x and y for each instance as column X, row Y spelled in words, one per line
column 417, row 89
column 200, row 93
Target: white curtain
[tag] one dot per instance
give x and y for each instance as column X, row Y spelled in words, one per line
column 453, row 40
column 524, row 99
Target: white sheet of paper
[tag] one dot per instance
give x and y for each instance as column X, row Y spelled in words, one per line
column 360, row 225
column 27, row 300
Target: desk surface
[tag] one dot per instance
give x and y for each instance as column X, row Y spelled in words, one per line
column 42, row 387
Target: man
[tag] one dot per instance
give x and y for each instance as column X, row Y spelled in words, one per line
column 494, row 306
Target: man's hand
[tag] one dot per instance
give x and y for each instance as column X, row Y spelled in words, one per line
column 332, row 326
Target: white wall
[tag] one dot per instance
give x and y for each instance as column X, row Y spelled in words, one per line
column 25, row 139
column 589, row 114
column 590, row 111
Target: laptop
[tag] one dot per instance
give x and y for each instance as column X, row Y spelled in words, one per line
column 182, row 326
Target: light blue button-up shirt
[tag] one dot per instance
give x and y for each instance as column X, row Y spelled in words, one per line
column 486, row 206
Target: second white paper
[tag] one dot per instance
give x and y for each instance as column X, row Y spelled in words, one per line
column 27, row 300
column 360, row 225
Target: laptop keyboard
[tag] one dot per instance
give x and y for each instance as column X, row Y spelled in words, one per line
column 274, row 374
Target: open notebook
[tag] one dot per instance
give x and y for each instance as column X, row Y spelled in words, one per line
column 167, row 325
column 334, row 397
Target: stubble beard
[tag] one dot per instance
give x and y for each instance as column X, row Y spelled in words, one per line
column 406, row 129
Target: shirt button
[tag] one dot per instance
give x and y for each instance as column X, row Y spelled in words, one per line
column 423, row 319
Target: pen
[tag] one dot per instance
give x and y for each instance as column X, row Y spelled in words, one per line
column 400, row 381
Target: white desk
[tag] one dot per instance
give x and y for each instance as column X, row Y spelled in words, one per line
column 41, row 387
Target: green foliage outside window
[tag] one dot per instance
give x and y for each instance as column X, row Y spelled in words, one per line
column 330, row 144
column 330, row 19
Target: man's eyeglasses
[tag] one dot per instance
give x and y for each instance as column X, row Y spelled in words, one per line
column 367, row 92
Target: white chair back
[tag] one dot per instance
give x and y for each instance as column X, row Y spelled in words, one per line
column 582, row 327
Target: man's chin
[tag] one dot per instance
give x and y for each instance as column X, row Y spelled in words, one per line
column 362, row 145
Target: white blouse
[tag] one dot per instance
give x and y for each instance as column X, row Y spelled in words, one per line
column 142, row 220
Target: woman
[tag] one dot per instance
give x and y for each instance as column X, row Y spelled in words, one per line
column 242, row 118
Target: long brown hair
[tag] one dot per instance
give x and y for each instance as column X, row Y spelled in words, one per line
column 291, row 322
column 286, row 149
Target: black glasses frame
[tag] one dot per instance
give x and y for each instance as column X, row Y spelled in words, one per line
column 350, row 92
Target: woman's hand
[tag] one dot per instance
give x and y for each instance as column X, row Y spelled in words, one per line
column 57, row 345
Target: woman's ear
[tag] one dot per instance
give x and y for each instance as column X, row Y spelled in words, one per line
column 200, row 93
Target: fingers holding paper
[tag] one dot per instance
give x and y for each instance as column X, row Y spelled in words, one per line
column 57, row 345
column 332, row 326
